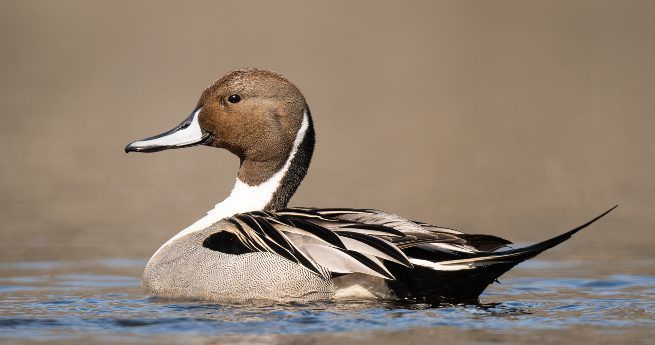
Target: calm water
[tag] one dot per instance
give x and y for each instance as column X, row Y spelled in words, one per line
column 71, row 302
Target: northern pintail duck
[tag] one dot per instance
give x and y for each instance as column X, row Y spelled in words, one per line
column 251, row 246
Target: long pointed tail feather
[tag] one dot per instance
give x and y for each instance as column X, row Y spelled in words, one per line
column 463, row 280
column 524, row 253
column 537, row 248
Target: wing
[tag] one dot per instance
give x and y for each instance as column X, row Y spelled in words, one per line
column 424, row 232
column 340, row 241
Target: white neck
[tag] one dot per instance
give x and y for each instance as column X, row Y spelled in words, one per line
column 244, row 197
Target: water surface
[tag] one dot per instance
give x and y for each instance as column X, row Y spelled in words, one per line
column 99, row 301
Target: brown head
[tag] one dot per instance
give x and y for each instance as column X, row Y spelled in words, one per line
column 255, row 114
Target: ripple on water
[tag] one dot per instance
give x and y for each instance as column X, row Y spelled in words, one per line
column 46, row 299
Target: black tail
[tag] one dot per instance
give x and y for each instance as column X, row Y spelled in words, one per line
column 521, row 254
column 465, row 285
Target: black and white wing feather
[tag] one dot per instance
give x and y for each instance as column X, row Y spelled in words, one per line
column 322, row 244
column 333, row 241
column 337, row 241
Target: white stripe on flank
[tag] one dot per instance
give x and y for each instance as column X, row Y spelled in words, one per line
column 439, row 266
column 453, row 248
column 245, row 198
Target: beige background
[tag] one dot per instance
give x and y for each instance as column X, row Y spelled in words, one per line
column 517, row 118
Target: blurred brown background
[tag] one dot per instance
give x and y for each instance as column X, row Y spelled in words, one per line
column 517, row 118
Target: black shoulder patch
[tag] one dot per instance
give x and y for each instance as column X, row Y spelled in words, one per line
column 225, row 242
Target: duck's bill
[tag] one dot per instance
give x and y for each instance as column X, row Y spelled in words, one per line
column 188, row 133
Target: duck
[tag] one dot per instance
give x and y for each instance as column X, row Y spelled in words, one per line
column 252, row 246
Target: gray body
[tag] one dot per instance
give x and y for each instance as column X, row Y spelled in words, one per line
column 187, row 270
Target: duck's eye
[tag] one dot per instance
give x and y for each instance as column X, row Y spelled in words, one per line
column 234, row 98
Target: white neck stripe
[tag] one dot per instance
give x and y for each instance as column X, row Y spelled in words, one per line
column 245, row 198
